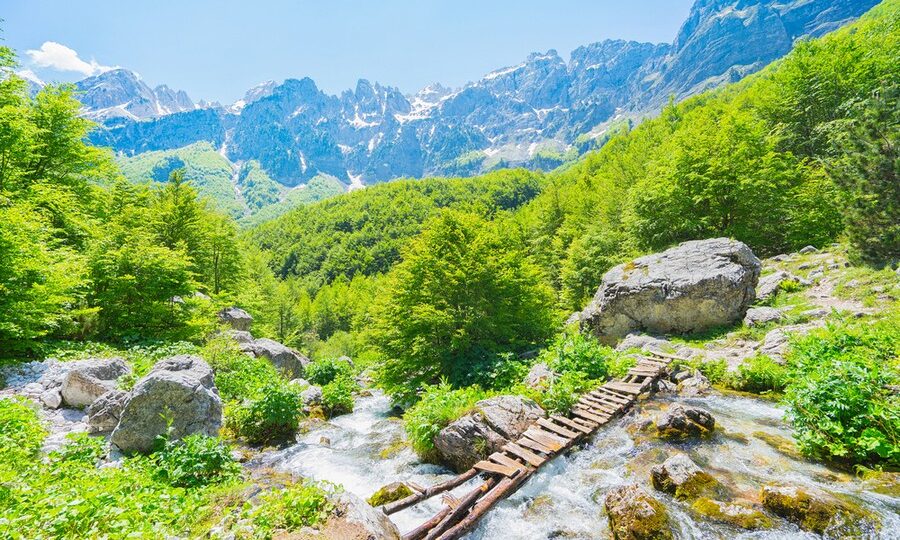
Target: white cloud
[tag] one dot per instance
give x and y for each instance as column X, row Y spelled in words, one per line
column 59, row 57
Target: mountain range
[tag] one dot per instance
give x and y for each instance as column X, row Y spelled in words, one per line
column 538, row 114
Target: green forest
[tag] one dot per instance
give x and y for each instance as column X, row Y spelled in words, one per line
column 443, row 291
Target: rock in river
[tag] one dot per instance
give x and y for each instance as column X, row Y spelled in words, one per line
column 681, row 422
column 635, row 515
column 681, row 477
column 692, row 287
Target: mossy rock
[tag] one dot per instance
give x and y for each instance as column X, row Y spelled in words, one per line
column 780, row 444
column 393, row 449
column 390, row 493
column 817, row 511
column 736, row 514
column 636, row 515
column 681, row 477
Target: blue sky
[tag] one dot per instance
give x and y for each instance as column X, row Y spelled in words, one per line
column 216, row 50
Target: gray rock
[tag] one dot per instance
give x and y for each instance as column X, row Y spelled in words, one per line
column 51, row 398
column 681, row 375
column 103, row 414
column 695, row 385
column 540, row 376
column 493, row 423
column 87, row 380
column 816, row 313
column 236, row 318
column 240, row 336
column 808, row 249
column 816, row 274
column 758, row 316
column 689, row 288
column 679, row 476
column 770, row 284
column 776, row 342
column 346, row 359
column 201, row 296
column 635, row 515
column 312, row 395
column 285, row 359
column 665, row 387
column 681, row 422
column 177, row 390
column 354, row 519
column 635, row 340
column 815, row 510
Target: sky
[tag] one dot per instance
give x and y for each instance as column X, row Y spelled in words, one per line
column 217, row 49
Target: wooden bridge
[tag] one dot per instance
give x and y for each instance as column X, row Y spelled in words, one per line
column 504, row 472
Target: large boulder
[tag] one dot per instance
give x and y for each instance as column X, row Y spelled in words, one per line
column 635, row 515
column 236, row 318
column 176, row 398
column 285, row 359
column 680, row 423
column 493, row 423
column 103, row 414
column 759, row 316
column 692, row 287
column 681, row 477
column 816, row 511
column 87, row 380
column 738, row 514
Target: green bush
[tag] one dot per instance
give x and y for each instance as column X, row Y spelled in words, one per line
column 270, row 418
column 304, row 504
column 439, row 405
column 337, row 395
column 715, row 370
column 21, row 432
column 563, row 393
column 577, row 352
column 238, row 376
column 196, row 460
column 842, row 400
column 325, row 370
column 80, row 448
column 759, row 374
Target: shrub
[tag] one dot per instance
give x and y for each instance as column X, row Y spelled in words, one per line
column 759, row 374
column 337, row 395
column 272, row 417
column 577, row 352
column 80, row 448
column 439, row 405
column 840, row 399
column 21, row 432
column 563, row 393
column 196, row 460
column 715, row 370
column 304, row 504
column 325, row 370
column 238, row 375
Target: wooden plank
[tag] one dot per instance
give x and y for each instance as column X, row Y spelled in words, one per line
column 487, row 466
column 419, row 532
column 553, row 443
column 464, row 505
column 450, row 500
column 590, row 416
column 566, row 422
column 644, row 372
column 534, row 445
column 559, row 430
column 609, row 395
column 530, row 457
column 503, row 488
column 624, row 388
column 590, row 424
column 595, row 403
column 503, row 459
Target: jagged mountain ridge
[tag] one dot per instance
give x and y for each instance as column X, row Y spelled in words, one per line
column 528, row 114
column 122, row 94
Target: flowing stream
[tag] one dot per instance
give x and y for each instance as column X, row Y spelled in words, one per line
column 364, row 450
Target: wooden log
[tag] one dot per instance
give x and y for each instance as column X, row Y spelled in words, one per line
column 530, row 457
column 559, row 430
column 429, row 492
column 457, row 513
column 534, row 445
column 487, row 466
column 503, row 488
column 419, row 532
column 574, row 425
